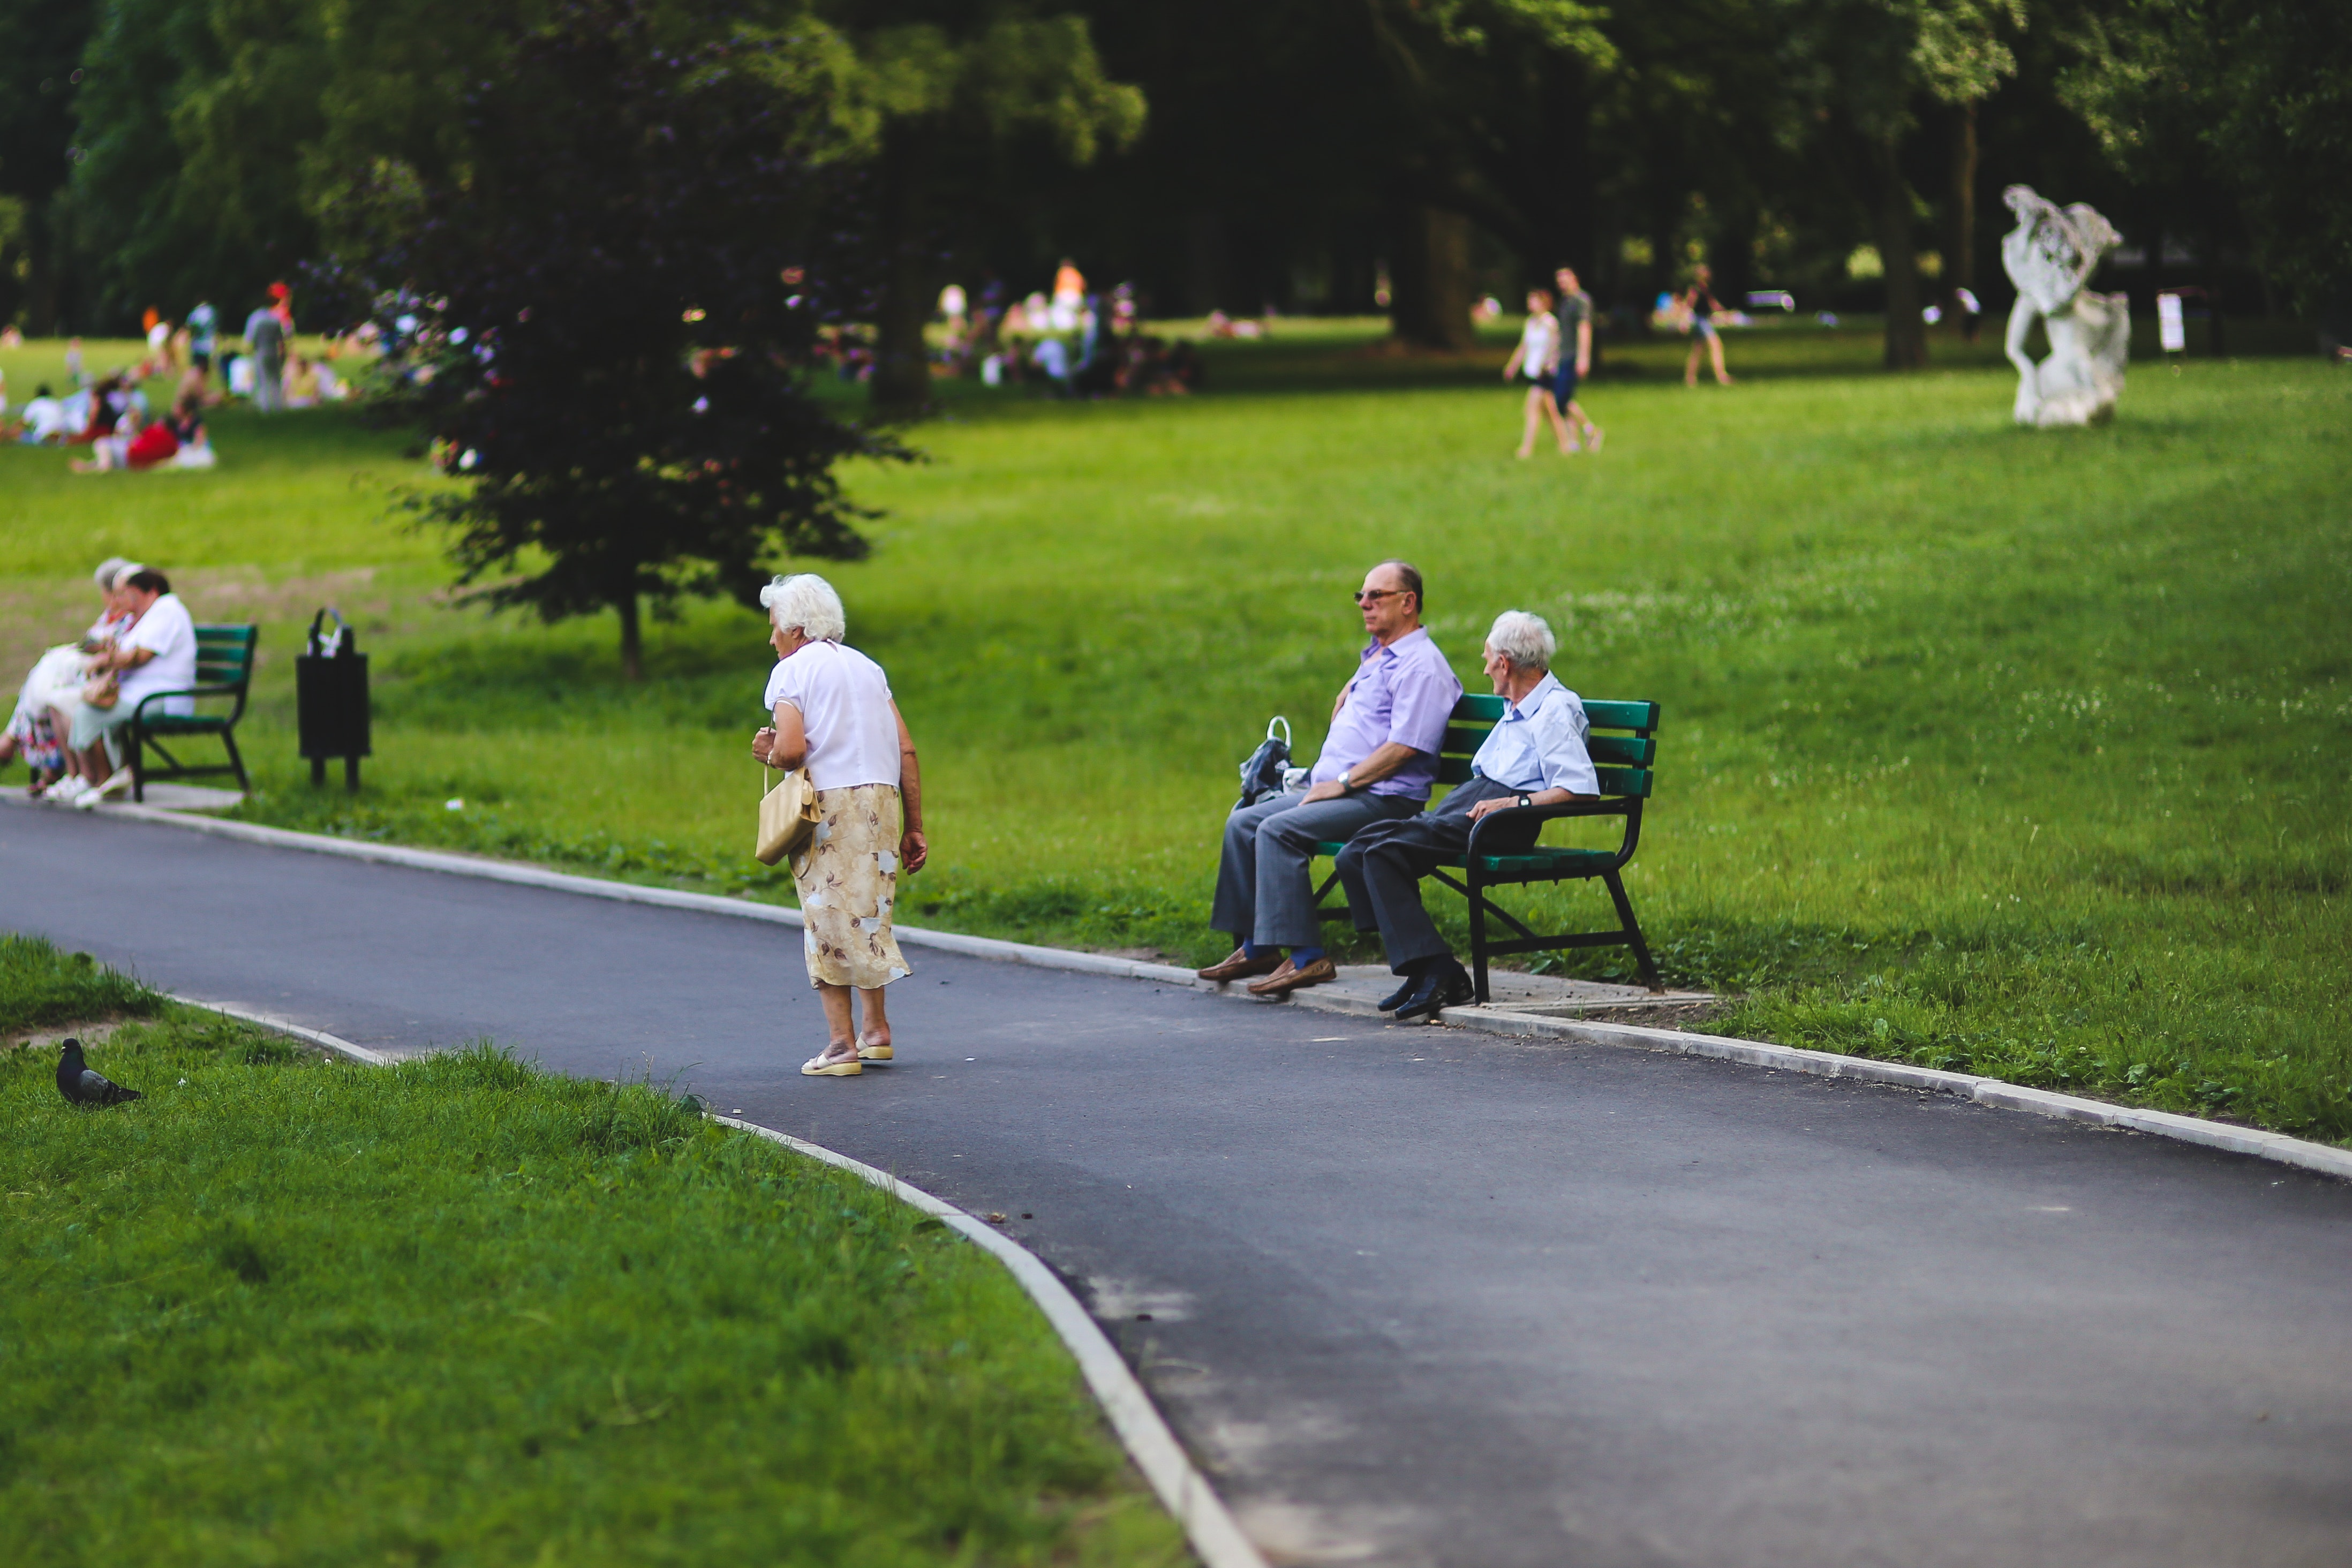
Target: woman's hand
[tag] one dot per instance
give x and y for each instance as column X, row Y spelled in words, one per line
column 913, row 851
column 761, row 743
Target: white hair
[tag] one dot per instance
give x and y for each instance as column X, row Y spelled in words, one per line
column 125, row 572
column 107, row 570
column 805, row 602
column 1524, row 639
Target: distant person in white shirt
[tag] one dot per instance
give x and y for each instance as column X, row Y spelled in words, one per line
column 46, row 419
column 158, row 654
column 1535, row 755
column 1537, row 358
column 833, row 715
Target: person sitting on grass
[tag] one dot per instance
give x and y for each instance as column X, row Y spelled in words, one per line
column 1535, row 755
column 157, row 654
column 1378, row 764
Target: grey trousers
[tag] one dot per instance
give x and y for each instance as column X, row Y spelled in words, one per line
column 269, row 384
column 1381, row 867
column 1265, row 893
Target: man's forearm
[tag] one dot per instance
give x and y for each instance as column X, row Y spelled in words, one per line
column 1384, row 762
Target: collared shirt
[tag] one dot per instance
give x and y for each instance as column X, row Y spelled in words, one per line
column 1538, row 743
column 1403, row 692
column 845, row 704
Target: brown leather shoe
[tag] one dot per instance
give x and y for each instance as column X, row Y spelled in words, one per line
column 1241, row 966
column 1289, row 978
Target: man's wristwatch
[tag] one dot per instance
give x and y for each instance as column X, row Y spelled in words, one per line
column 1525, row 799
column 1345, row 786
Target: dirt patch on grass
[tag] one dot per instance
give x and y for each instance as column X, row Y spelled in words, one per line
column 88, row 1034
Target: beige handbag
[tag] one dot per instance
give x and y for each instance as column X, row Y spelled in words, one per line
column 788, row 817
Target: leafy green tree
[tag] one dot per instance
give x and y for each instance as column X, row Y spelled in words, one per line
column 1868, row 68
column 927, row 91
column 2254, row 94
column 41, row 45
column 615, row 297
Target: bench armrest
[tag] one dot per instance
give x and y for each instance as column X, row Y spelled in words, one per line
column 185, row 691
column 1605, row 807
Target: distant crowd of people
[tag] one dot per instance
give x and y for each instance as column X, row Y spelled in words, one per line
column 128, row 424
column 74, row 704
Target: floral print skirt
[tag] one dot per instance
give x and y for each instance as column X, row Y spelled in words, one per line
column 848, row 879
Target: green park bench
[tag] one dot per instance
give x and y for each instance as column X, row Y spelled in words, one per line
column 224, row 668
column 1622, row 761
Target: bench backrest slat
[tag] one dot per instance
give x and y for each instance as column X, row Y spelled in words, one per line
column 225, row 655
column 1624, row 762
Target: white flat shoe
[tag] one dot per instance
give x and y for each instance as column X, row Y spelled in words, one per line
column 843, row 1067
column 867, row 1053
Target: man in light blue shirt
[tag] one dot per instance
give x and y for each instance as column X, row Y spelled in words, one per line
column 1535, row 755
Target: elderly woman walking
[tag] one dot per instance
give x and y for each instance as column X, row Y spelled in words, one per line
column 832, row 713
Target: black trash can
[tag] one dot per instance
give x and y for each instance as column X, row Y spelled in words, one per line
column 331, row 699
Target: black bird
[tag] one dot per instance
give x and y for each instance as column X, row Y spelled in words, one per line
column 84, row 1085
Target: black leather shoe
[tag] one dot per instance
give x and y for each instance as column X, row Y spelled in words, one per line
column 1448, row 986
column 1396, row 998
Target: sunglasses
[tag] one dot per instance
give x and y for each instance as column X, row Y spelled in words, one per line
column 1374, row 596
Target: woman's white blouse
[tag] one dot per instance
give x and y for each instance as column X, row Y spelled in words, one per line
column 845, row 706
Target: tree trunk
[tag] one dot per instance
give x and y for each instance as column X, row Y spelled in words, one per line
column 902, row 367
column 1960, row 248
column 633, row 646
column 1907, row 334
column 1430, row 300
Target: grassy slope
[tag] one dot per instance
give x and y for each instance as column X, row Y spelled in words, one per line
column 286, row 1311
column 2017, row 751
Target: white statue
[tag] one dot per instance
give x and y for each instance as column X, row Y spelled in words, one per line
column 2050, row 255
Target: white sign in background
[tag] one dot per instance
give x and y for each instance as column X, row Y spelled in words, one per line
column 2170, row 336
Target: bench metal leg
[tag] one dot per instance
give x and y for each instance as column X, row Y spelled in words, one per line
column 1633, row 932
column 136, row 767
column 1478, row 940
column 228, row 738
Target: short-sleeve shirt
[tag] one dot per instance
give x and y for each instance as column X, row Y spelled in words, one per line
column 169, row 632
column 845, row 706
column 1539, row 743
column 1538, row 347
column 1572, row 309
column 1404, row 692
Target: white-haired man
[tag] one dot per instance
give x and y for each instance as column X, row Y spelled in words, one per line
column 1535, row 755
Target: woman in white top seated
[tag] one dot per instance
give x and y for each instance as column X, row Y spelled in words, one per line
column 832, row 713
column 46, row 704
column 156, row 656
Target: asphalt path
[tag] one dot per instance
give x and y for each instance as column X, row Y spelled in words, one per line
column 1422, row 1295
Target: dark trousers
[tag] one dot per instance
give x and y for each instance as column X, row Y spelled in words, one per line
column 1381, row 867
column 1265, row 893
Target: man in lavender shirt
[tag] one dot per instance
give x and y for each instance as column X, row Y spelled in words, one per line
column 1377, row 765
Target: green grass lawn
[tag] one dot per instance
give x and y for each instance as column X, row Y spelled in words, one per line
column 2017, row 752
column 286, row 1309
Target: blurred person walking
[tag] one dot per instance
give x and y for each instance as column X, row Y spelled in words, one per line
column 1698, row 301
column 1575, row 314
column 832, row 713
column 203, row 336
column 1538, row 357
column 265, row 340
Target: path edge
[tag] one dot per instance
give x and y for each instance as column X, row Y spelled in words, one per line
column 1182, row 1488
column 2276, row 1147
column 318, row 1038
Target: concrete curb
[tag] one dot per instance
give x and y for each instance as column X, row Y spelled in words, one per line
column 1989, row 1091
column 2260, row 1145
column 318, row 1038
column 1181, row 1487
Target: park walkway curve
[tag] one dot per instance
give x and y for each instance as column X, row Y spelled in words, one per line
column 1419, row 1296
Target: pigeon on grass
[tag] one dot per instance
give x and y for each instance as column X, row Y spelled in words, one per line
column 85, row 1085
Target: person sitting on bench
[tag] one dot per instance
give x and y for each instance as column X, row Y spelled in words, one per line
column 1378, row 763
column 1535, row 755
